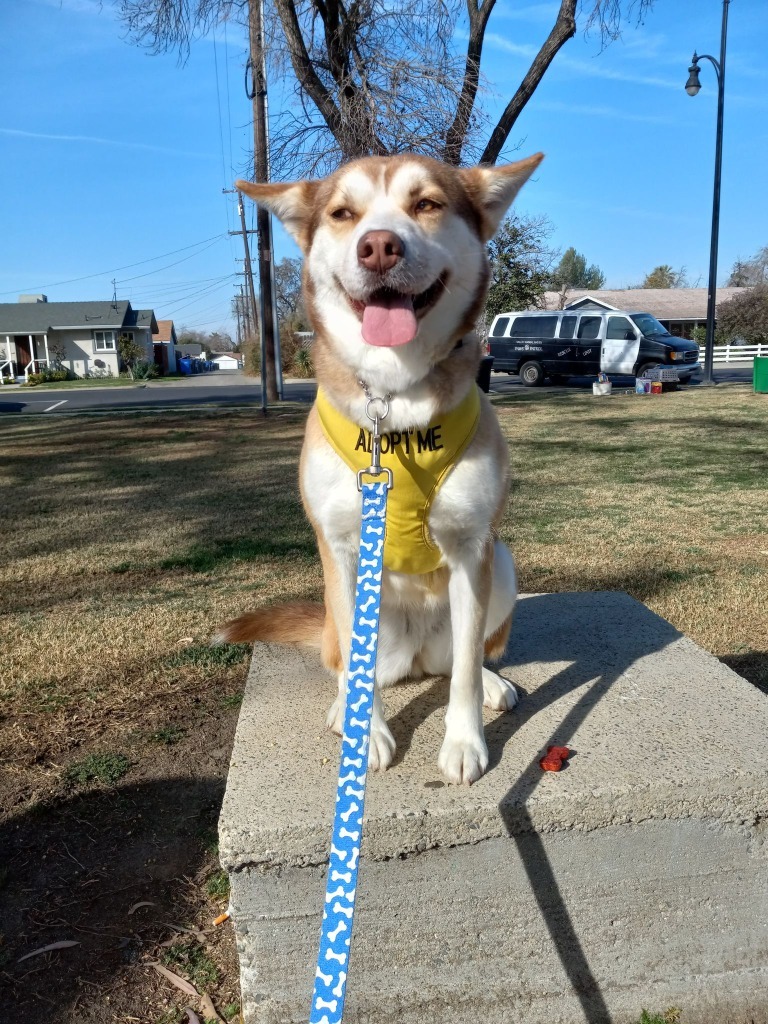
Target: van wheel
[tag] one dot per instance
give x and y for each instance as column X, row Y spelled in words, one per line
column 559, row 379
column 645, row 366
column 532, row 374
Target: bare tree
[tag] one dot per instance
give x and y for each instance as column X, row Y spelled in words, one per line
column 377, row 77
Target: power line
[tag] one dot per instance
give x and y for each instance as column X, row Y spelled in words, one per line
column 204, row 292
column 168, row 266
column 114, row 270
column 178, row 292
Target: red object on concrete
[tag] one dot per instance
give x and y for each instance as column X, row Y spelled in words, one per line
column 554, row 759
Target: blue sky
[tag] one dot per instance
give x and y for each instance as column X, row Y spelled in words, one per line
column 113, row 161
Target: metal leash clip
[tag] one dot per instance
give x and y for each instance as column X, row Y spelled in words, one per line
column 375, row 468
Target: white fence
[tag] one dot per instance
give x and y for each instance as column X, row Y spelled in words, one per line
column 735, row 353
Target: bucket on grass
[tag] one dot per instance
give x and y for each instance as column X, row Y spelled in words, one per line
column 760, row 375
column 602, row 387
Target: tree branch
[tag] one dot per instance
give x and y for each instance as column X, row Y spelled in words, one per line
column 563, row 30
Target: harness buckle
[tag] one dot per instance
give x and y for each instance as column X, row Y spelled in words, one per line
column 373, row 471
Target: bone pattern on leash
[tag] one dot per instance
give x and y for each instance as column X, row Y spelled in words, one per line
column 327, row 1006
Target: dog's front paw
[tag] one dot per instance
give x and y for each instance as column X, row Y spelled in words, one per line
column 463, row 759
column 382, row 748
column 498, row 693
column 335, row 720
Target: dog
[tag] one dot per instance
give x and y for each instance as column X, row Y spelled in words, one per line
column 395, row 276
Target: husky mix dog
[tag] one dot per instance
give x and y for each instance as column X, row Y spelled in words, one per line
column 395, row 275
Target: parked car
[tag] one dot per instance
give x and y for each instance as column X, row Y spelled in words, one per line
column 568, row 343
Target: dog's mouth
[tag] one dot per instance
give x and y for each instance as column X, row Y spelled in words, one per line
column 390, row 317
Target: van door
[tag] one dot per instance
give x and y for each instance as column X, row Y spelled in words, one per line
column 621, row 345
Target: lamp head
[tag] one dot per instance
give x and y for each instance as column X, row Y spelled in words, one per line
column 693, row 85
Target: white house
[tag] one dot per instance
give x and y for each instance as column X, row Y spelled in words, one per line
column 80, row 336
column 227, row 361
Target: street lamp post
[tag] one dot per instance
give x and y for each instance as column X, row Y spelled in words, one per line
column 692, row 86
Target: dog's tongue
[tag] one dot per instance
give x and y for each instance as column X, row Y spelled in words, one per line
column 389, row 321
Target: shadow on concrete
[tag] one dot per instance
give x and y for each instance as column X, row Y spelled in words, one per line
column 598, row 672
column 587, row 637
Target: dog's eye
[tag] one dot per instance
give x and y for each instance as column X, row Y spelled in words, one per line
column 426, row 206
column 341, row 214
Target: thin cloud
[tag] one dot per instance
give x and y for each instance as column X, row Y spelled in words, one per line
column 581, row 67
column 95, row 140
column 531, row 12
column 587, row 110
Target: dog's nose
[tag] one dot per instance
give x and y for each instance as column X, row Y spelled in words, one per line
column 380, row 250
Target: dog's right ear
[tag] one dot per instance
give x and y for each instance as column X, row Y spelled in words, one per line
column 291, row 204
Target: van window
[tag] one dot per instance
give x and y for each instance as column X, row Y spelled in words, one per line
column 534, row 327
column 620, row 329
column 589, row 328
column 567, row 325
column 500, row 328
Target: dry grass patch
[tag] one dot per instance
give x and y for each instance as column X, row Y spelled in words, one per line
column 665, row 498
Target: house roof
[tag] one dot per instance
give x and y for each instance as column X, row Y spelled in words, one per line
column 40, row 317
column 164, row 332
column 663, row 303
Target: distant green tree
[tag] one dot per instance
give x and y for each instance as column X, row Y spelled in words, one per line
column 748, row 273
column 572, row 272
column 521, row 264
column 664, row 276
column 745, row 316
column 131, row 352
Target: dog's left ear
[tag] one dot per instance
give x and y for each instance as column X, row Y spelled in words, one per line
column 492, row 189
column 290, row 203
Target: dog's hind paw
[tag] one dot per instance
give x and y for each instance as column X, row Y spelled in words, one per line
column 463, row 761
column 498, row 693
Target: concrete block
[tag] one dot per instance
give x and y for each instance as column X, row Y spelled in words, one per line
column 634, row 878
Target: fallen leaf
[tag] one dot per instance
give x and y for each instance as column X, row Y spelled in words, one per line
column 209, row 1010
column 200, row 936
column 144, row 903
column 174, row 979
column 192, row 1017
column 64, row 944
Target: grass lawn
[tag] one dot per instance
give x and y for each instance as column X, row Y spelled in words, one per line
column 86, row 382
column 127, row 540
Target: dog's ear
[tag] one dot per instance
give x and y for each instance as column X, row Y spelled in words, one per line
column 492, row 189
column 290, row 203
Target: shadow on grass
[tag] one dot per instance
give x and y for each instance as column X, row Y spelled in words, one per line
column 74, row 870
column 752, row 665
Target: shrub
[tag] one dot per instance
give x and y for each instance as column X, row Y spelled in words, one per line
column 106, row 768
column 143, row 369
column 302, row 363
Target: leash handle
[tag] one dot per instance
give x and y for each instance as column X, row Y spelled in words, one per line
column 338, row 914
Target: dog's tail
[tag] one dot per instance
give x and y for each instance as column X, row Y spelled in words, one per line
column 299, row 623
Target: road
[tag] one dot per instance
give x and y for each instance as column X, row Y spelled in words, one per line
column 226, row 389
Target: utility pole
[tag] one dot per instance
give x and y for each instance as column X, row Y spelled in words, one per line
column 258, row 94
column 253, row 311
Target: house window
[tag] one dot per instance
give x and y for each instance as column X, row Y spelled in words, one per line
column 126, row 336
column 104, row 341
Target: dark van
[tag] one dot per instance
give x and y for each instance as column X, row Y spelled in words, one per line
column 564, row 343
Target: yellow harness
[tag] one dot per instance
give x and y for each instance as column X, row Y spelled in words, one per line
column 420, row 460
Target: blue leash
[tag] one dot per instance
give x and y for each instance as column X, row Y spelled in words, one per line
column 336, row 929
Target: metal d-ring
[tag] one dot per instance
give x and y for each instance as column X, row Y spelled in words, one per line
column 375, row 468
